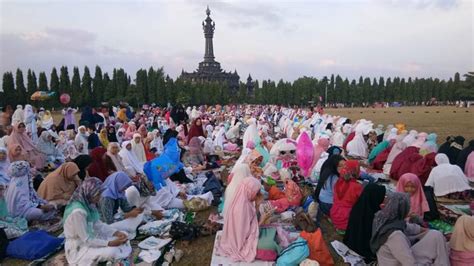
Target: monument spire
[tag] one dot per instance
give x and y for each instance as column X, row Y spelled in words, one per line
column 208, row 26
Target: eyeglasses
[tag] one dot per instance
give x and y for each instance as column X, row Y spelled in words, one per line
column 287, row 152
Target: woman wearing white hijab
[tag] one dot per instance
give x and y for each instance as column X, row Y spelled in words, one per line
column 138, row 148
column 392, row 135
column 29, row 119
column 233, row 132
column 337, row 139
column 81, row 140
column 17, row 116
column 129, row 158
column 251, row 132
column 410, row 138
column 220, row 138
column 157, row 141
column 447, row 178
column 239, row 173
column 358, row 146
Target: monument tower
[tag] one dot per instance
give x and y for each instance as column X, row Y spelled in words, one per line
column 210, row 70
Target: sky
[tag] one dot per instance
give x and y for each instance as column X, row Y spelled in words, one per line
column 268, row 39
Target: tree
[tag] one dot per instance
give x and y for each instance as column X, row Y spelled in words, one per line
column 31, row 84
column 43, row 82
column 141, row 95
column 98, row 87
column 21, row 95
column 64, row 81
column 8, row 87
column 466, row 91
column 76, row 93
column 54, row 81
column 86, row 89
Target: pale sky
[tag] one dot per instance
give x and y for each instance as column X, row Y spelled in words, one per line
column 269, row 39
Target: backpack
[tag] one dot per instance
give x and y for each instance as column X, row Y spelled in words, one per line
column 294, row 254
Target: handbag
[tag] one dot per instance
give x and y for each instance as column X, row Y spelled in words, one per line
column 294, row 254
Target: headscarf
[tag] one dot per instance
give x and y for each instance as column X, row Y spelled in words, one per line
column 17, row 116
column 411, row 137
column 337, row 139
column 142, row 131
column 156, row 142
column 360, row 220
column 349, row 173
column 430, row 145
column 328, row 169
column 445, row 146
column 321, row 146
column 239, row 173
column 82, row 161
column 115, row 185
column 418, row 202
column 420, row 140
column 462, row 238
column 455, row 149
column 81, row 140
column 47, row 120
column 251, row 132
column 119, row 137
column 129, row 159
column 392, row 135
column 116, row 158
column 21, row 139
column 195, row 130
column 61, row 183
column 4, row 166
column 446, row 178
column 45, row 145
column 69, row 118
column 21, row 196
column 138, row 148
column 358, row 146
column 397, row 148
column 240, row 236
column 131, row 130
column 378, row 149
column 103, row 137
column 98, row 167
column 82, row 199
column 389, row 219
column 11, row 152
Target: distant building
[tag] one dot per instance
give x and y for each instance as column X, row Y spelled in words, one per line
column 210, row 70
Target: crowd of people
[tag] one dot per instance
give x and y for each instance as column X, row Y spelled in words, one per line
column 105, row 174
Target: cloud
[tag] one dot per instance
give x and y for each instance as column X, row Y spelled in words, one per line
column 422, row 4
column 327, row 62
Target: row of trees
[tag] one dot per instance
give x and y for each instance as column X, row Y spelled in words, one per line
column 153, row 86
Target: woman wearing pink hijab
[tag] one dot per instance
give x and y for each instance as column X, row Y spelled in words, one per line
column 19, row 136
column 132, row 129
column 410, row 183
column 240, row 234
column 319, row 148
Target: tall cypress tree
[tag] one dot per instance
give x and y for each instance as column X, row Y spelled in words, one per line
column 76, row 93
column 8, row 86
column 54, row 81
column 86, row 89
column 64, row 81
column 97, row 87
column 21, row 95
column 43, row 82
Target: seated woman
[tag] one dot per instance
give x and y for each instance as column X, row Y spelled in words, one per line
column 13, row 227
column 399, row 243
column 138, row 148
column 240, row 233
column 83, row 161
column 346, row 193
column 88, row 240
column 129, row 159
column 409, row 183
column 58, row 187
column 254, row 159
column 462, row 242
column 448, row 180
column 98, row 168
column 158, row 172
column 28, row 148
column 359, row 228
column 22, row 200
column 46, row 146
column 327, row 181
column 104, row 138
column 292, row 191
column 113, row 198
column 194, row 157
column 4, row 165
column 113, row 160
column 15, row 153
column 239, row 173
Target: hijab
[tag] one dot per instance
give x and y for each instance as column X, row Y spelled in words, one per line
column 115, row 185
column 420, row 140
column 359, row 228
column 418, row 202
column 195, row 130
column 156, row 142
column 61, row 183
column 82, row 161
column 240, row 233
column 116, row 158
column 45, row 145
column 321, row 146
column 129, row 158
column 119, row 137
column 349, row 173
column 389, row 219
column 430, row 145
column 4, row 166
column 239, row 173
column 446, row 178
column 21, row 139
column 328, row 170
column 462, row 238
column 462, row 157
column 455, row 149
column 411, row 137
column 131, row 130
column 378, row 149
column 82, row 199
column 138, row 148
column 21, row 196
column 103, row 138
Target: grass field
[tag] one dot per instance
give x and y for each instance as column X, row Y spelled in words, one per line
column 443, row 121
